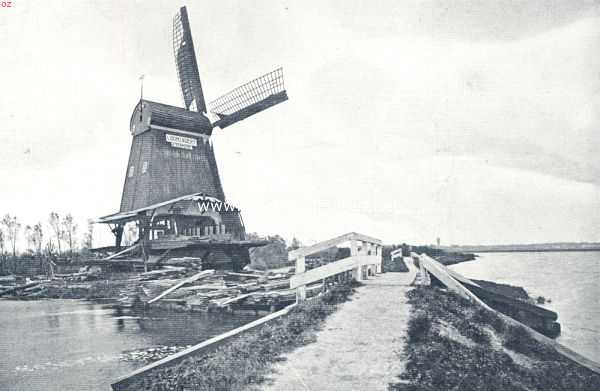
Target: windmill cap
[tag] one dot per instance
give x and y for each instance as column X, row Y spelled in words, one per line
column 147, row 113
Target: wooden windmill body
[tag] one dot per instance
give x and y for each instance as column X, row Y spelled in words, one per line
column 172, row 187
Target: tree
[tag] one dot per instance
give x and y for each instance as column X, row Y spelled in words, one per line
column 2, row 250
column 88, row 236
column 35, row 237
column 29, row 238
column 2, row 242
column 69, row 229
column 57, row 228
column 296, row 244
column 13, row 227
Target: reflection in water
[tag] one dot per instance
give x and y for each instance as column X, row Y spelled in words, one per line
column 119, row 318
column 76, row 345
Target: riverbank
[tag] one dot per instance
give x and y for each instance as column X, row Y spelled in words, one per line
column 452, row 344
column 247, row 360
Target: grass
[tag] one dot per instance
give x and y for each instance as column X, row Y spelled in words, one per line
column 247, row 360
column 436, row 361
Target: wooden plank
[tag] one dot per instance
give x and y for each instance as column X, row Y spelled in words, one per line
column 440, row 272
column 21, row 287
column 514, row 303
column 322, row 272
column 304, row 251
column 396, row 253
column 236, row 299
column 181, row 283
column 128, row 249
column 124, row 381
column 244, row 275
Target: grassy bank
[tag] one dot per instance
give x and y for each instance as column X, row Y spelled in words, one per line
column 454, row 345
column 246, row 361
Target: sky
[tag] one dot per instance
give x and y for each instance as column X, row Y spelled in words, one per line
column 473, row 121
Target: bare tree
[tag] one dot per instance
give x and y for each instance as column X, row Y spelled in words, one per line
column 296, row 244
column 88, row 236
column 2, row 253
column 54, row 222
column 2, row 242
column 35, row 237
column 29, row 238
column 49, row 250
column 13, row 227
column 69, row 229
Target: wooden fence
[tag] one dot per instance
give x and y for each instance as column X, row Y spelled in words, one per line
column 364, row 260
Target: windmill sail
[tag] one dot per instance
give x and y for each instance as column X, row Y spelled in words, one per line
column 185, row 62
column 249, row 99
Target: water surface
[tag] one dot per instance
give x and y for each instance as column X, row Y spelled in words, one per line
column 77, row 345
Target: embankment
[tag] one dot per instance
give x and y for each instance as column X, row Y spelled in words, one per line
column 453, row 344
column 247, row 359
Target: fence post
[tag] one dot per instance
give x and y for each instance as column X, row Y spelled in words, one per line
column 357, row 273
column 300, row 268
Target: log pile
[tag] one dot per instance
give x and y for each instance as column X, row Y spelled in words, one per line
column 178, row 283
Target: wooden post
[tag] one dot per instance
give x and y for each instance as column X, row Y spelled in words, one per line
column 144, row 232
column 118, row 232
column 357, row 273
column 301, row 290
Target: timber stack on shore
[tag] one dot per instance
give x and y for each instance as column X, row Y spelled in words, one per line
column 179, row 284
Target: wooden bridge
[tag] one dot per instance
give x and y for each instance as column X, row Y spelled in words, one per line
column 364, row 260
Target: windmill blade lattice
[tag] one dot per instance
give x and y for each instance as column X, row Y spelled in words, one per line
column 185, row 62
column 252, row 92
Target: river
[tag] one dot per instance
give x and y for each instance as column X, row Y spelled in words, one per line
column 78, row 345
column 570, row 279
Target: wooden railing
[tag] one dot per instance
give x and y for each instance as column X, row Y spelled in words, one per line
column 365, row 258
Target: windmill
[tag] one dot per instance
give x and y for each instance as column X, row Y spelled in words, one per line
column 172, row 165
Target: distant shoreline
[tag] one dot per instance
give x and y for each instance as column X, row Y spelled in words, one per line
column 515, row 249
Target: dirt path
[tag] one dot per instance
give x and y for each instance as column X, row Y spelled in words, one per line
column 360, row 345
